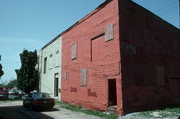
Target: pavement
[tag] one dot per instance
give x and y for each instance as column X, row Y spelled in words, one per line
column 15, row 110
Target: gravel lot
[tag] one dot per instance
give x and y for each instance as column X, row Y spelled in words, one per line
column 153, row 115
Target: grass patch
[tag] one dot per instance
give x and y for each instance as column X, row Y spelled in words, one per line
column 168, row 112
column 89, row 112
column 175, row 109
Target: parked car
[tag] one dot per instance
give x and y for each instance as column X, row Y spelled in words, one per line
column 13, row 94
column 38, row 100
column 21, row 92
column 3, row 94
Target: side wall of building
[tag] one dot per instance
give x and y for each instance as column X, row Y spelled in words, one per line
column 50, row 75
column 85, row 74
column 150, row 54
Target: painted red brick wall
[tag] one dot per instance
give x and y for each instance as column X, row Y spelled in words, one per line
column 104, row 64
column 150, row 53
column 142, row 55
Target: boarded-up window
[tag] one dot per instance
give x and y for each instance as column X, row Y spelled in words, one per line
column 65, row 76
column 98, row 48
column 83, row 77
column 45, row 64
column 51, row 55
column 57, row 52
column 74, row 51
column 160, row 76
column 128, row 49
column 50, row 61
column 109, row 32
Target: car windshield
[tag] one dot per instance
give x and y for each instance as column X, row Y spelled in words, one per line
column 41, row 95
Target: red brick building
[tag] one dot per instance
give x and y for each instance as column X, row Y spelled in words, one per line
column 121, row 54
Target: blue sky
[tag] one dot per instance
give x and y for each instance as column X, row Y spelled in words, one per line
column 30, row 24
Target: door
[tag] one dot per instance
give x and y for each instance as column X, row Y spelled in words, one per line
column 175, row 90
column 112, row 92
column 56, row 85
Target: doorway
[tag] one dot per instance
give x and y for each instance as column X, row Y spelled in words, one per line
column 175, row 90
column 112, row 92
column 56, row 85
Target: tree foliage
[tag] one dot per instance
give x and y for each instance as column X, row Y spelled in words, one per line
column 27, row 75
column 2, row 85
column 11, row 84
column 1, row 71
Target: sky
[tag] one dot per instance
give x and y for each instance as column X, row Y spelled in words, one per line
column 31, row 24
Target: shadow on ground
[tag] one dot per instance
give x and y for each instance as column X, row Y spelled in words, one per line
column 46, row 110
column 19, row 112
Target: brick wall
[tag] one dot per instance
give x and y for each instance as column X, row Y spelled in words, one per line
column 150, row 53
column 99, row 63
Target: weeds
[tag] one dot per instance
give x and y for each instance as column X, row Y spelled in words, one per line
column 89, row 112
column 168, row 112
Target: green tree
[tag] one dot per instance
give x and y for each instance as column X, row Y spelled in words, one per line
column 11, row 84
column 2, row 85
column 27, row 75
column 1, row 71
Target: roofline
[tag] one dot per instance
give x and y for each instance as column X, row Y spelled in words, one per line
column 88, row 15
column 98, row 9
column 51, row 41
column 79, row 22
column 154, row 15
